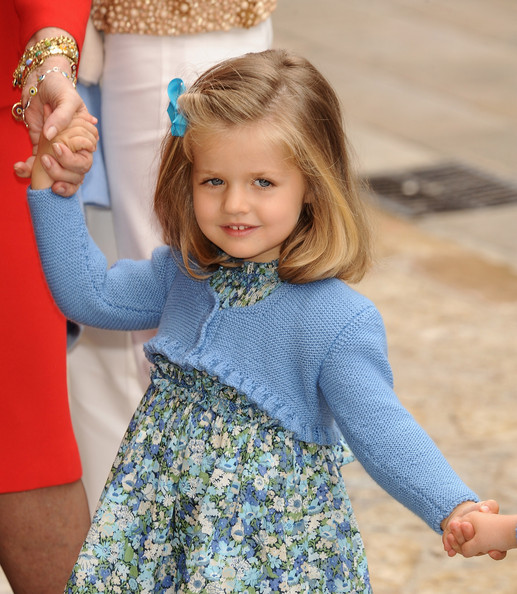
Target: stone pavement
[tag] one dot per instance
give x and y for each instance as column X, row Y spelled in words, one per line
column 424, row 81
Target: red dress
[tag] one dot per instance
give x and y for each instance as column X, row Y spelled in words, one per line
column 37, row 444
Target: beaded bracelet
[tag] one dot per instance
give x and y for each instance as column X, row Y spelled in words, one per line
column 18, row 110
column 35, row 55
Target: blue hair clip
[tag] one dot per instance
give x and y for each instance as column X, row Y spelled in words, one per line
column 178, row 122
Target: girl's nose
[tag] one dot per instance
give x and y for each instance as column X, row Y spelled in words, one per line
column 235, row 201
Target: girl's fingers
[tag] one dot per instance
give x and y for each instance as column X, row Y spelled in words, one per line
column 447, row 546
column 79, row 162
column 73, row 134
column 457, row 532
column 80, row 124
column 467, row 530
column 75, row 144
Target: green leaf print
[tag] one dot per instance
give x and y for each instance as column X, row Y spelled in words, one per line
column 128, row 554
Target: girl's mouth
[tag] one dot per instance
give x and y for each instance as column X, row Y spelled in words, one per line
column 238, row 230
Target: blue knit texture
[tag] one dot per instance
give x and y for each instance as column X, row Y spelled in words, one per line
column 313, row 356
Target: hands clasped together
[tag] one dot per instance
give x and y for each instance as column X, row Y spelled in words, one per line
column 50, row 106
column 478, row 529
column 65, row 161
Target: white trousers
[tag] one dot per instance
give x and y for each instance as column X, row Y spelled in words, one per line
column 107, row 370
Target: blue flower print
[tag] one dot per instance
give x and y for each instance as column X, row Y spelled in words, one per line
column 210, row 494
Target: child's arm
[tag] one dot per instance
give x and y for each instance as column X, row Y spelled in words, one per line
column 80, row 137
column 477, row 533
column 83, row 286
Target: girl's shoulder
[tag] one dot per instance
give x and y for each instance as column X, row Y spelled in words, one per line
column 166, row 264
column 329, row 302
column 331, row 292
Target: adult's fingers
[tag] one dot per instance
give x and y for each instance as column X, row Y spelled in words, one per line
column 65, row 189
column 72, row 176
column 64, row 101
column 24, row 168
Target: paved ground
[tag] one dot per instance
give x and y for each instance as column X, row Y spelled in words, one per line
column 424, row 81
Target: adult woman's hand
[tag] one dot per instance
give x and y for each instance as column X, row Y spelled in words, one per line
column 51, row 110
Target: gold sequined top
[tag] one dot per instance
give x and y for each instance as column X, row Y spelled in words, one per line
column 178, row 17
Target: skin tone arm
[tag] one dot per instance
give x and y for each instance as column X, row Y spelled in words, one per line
column 51, row 111
column 478, row 533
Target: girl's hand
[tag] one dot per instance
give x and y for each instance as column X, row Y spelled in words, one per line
column 460, row 532
column 456, row 532
column 73, row 154
column 64, row 163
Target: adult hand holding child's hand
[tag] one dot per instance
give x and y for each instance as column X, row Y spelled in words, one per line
column 63, row 162
column 456, row 533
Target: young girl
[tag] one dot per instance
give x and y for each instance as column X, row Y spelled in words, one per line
column 269, row 370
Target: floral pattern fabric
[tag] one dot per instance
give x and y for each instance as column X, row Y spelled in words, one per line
column 210, row 494
column 245, row 285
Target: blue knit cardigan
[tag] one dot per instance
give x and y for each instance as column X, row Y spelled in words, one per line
column 313, row 356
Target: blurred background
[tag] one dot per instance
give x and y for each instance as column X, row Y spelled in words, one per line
column 428, row 85
column 429, row 90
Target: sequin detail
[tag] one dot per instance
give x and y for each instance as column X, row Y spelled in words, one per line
column 173, row 17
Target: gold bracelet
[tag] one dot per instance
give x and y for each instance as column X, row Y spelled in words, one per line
column 35, row 55
column 18, row 110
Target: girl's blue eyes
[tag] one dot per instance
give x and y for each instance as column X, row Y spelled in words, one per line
column 262, row 183
column 215, row 181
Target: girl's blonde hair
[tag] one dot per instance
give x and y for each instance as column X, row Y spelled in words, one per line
column 296, row 106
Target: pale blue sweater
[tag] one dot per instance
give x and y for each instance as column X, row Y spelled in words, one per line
column 313, row 356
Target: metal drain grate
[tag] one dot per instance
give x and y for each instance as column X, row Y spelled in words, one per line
column 445, row 187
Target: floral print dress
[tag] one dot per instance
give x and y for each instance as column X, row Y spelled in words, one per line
column 210, row 494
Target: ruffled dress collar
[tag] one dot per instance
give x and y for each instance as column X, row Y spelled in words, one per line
column 245, row 284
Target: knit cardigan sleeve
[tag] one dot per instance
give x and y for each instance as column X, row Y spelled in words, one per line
column 128, row 296
column 396, row 452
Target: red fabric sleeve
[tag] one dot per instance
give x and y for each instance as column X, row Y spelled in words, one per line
column 70, row 15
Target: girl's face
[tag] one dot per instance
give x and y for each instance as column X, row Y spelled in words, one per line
column 247, row 194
